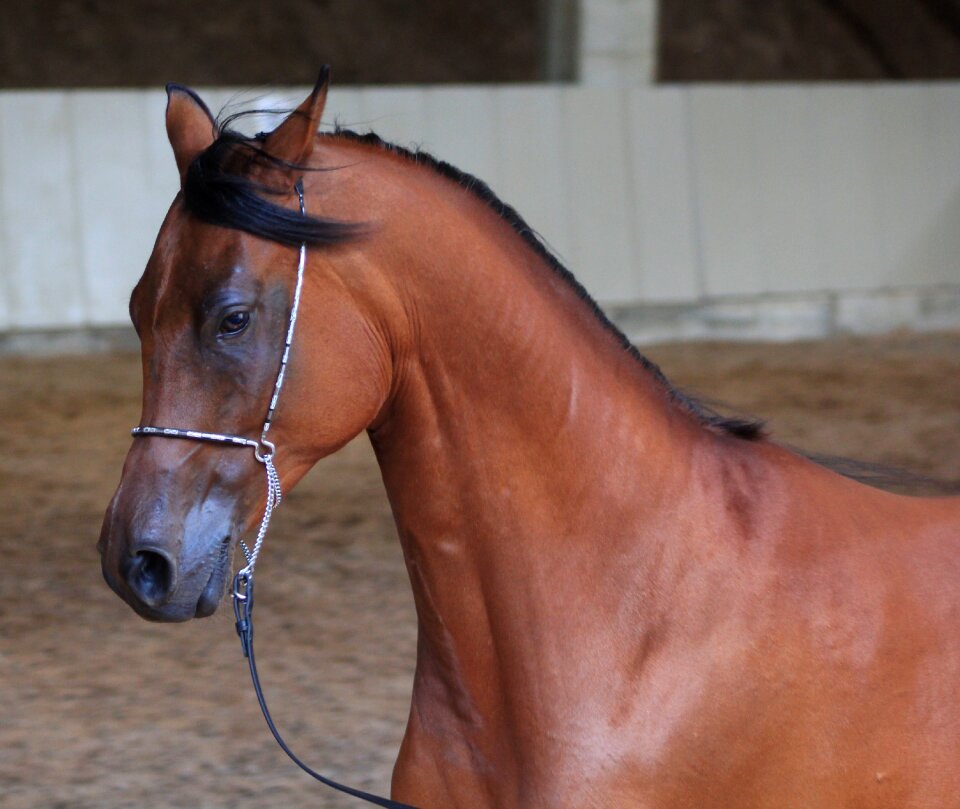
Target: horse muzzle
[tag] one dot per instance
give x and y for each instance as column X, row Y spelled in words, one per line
column 169, row 572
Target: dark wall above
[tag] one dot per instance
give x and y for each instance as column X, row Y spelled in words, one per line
column 141, row 43
column 803, row 40
column 146, row 43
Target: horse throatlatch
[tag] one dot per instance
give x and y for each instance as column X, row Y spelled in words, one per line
column 263, row 451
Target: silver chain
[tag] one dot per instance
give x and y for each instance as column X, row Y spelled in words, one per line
column 274, row 497
column 263, row 450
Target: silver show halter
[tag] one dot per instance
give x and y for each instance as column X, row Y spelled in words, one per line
column 263, row 449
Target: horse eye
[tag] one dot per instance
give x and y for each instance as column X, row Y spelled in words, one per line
column 233, row 323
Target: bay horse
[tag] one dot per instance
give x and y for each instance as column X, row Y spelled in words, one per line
column 623, row 598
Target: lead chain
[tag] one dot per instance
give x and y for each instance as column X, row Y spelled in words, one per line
column 274, row 498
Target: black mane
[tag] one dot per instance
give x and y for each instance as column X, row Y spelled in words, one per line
column 215, row 194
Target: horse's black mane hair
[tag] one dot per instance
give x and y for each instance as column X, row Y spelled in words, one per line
column 221, row 196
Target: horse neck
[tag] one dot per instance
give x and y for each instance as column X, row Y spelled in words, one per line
column 526, row 454
column 509, row 383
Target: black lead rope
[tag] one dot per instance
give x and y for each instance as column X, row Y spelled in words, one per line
column 243, row 610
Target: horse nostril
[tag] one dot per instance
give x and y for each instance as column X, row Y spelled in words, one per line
column 150, row 576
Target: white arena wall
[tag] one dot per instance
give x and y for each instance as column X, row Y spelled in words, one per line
column 759, row 211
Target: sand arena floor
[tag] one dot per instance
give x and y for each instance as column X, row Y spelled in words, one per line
column 101, row 709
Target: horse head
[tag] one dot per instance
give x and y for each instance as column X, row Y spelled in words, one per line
column 212, row 311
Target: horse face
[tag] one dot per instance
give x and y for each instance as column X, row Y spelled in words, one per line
column 211, row 311
column 206, row 323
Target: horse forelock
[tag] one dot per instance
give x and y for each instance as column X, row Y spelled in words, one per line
column 219, row 189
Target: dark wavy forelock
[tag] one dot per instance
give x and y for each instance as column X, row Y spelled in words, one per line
column 220, row 196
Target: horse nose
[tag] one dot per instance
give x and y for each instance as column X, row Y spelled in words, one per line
column 151, row 575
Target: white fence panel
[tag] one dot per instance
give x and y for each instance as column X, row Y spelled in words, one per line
column 904, row 173
column 39, row 212
column 725, row 155
column 666, row 240
column 845, row 158
column 680, row 195
column 460, row 127
column 396, row 114
column 936, row 247
column 602, row 213
column 6, row 260
column 112, row 178
column 531, row 176
column 345, row 109
column 786, row 227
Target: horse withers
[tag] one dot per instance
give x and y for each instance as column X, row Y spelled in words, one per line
column 623, row 599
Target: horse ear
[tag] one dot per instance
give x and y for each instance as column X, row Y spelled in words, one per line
column 190, row 126
column 294, row 139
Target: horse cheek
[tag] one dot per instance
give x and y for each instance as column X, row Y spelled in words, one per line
column 349, row 369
